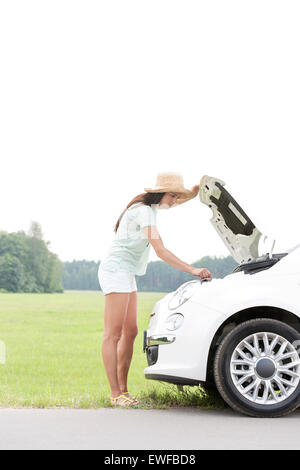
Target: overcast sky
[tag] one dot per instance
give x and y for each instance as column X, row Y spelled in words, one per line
column 97, row 97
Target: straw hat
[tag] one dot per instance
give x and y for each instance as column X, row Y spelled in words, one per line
column 171, row 182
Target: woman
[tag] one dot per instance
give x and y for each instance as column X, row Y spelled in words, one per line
column 135, row 233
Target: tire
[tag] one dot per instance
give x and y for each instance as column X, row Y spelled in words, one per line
column 259, row 377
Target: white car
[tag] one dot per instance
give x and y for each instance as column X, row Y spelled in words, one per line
column 240, row 333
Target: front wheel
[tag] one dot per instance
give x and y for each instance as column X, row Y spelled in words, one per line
column 257, row 368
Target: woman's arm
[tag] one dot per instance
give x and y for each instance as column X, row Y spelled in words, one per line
column 166, row 255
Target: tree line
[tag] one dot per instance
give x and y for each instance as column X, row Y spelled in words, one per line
column 159, row 277
column 27, row 265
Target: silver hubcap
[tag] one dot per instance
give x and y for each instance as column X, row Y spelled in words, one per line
column 265, row 368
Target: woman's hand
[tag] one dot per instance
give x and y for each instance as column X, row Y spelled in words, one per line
column 195, row 189
column 203, row 273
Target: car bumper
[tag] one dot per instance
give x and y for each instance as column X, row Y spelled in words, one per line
column 151, row 345
column 157, row 340
column 180, row 356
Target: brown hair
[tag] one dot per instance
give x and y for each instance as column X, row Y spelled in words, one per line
column 144, row 198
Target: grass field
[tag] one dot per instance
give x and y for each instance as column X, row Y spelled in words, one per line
column 53, row 354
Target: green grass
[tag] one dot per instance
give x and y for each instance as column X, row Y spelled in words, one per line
column 53, row 355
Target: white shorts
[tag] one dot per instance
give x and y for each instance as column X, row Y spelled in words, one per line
column 116, row 281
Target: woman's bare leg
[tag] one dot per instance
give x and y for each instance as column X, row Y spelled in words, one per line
column 125, row 345
column 116, row 305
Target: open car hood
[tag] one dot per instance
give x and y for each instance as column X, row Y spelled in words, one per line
column 237, row 231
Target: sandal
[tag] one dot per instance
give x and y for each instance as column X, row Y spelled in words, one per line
column 125, row 401
column 132, row 399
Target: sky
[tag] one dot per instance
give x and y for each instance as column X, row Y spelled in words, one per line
column 98, row 97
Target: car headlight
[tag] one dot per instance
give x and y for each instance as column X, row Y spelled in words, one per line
column 182, row 294
column 174, row 321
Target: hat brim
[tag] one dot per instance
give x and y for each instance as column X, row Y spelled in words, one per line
column 160, row 189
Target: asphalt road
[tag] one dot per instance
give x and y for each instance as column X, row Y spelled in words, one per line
column 112, row 429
